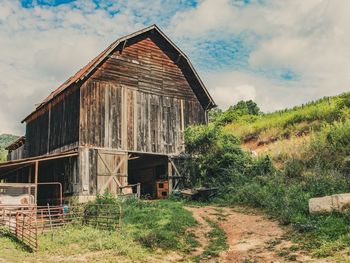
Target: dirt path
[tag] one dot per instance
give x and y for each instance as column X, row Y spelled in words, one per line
column 250, row 236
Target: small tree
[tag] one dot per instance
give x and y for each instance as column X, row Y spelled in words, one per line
column 236, row 111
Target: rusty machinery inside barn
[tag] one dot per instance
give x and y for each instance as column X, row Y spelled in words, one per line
column 116, row 125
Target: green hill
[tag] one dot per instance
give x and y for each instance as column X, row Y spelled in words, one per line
column 277, row 162
column 284, row 134
column 286, row 123
column 5, row 140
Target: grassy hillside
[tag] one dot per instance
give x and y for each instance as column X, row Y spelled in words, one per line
column 284, row 134
column 5, row 140
column 299, row 120
column 293, row 155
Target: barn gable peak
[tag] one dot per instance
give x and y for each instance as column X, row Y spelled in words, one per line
column 156, row 35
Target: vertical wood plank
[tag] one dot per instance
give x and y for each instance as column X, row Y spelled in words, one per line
column 36, row 174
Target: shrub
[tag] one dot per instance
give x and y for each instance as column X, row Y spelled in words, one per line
column 214, row 153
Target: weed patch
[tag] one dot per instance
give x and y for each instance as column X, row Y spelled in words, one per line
column 217, row 242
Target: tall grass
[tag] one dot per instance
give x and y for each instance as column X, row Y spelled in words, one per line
column 284, row 123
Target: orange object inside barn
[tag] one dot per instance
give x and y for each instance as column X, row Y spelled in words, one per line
column 162, row 189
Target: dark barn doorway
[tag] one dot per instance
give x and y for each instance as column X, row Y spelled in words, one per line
column 147, row 169
column 57, row 179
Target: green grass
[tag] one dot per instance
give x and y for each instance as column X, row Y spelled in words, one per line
column 160, row 224
column 217, row 242
column 149, row 230
column 74, row 242
column 283, row 124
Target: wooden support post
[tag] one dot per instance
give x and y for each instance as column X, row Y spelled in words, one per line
column 138, row 190
column 124, row 120
column 170, row 176
column 36, row 182
column 182, row 125
column 30, row 175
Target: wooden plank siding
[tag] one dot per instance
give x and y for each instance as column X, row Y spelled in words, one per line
column 153, row 123
column 54, row 128
column 137, row 100
column 141, row 96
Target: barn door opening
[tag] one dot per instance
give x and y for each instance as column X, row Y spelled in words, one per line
column 151, row 172
column 111, row 172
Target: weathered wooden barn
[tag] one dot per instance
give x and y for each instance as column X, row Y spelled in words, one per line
column 118, row 121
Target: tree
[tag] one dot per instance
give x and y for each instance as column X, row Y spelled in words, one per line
column 235, row 112
column 253, row 108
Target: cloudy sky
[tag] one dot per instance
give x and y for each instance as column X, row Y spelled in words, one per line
column 278, row 53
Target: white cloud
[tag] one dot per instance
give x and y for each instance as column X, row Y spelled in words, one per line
column 42, row 46
column 309, row 38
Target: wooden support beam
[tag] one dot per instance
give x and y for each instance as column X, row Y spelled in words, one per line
column 124, row 121
column 178, row 59
column 170, row 175
column 30, row 174
column 174, row 166
column 124, row 44
column 36, row 173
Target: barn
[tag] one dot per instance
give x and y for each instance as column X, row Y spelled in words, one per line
column 116, row 124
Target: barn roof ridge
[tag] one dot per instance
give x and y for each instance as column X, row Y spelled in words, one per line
column 94, row 63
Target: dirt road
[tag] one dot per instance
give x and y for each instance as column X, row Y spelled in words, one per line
column 250, row 236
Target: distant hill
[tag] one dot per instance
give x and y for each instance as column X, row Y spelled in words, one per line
column 5, row 140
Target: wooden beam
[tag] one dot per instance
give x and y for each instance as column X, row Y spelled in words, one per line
column 40, row 159
column 178, row 59
column 30, row 175
column 36, row 181
column 170, row 176
column 174, row 166
column 16, row 184
column 124, row 121
column 124, row 44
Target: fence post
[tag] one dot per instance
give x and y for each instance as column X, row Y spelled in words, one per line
column 3, row 217
column 22, row 226
column 16, row 226
column 48, row 207
column 36, row 230
column 138, row 190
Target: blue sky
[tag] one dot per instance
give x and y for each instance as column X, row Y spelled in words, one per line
column 279, row 53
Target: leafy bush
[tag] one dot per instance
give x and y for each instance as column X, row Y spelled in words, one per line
column 215, row 153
